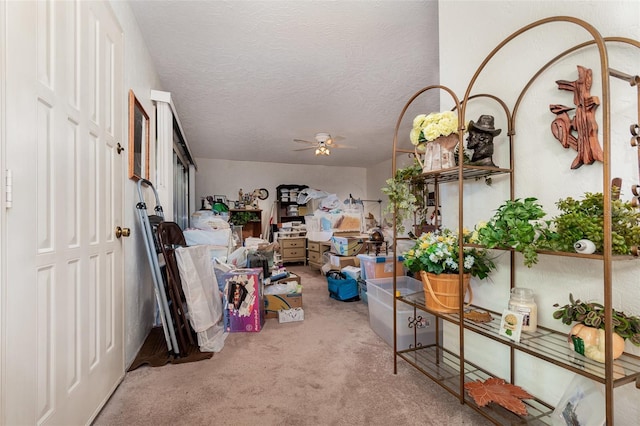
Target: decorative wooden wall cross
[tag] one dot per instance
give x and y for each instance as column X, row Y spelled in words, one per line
column 583, row 122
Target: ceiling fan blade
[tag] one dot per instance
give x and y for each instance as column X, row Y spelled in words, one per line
column 303, row 141
column 335, row 145
column 304, row 149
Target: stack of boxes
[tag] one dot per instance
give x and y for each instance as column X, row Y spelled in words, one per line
column 275, row 303
column 344, row 251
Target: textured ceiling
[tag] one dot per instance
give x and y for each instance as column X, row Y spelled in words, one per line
column 248, row 77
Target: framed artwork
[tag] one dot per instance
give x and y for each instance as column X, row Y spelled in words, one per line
column 138, row 139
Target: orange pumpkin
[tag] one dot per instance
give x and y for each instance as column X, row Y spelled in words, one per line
column 589, row 341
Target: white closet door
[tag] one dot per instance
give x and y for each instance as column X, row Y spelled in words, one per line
column 63, row 310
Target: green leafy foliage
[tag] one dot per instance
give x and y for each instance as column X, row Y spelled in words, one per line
column 406, row 194
column 516, row 224
column 584, row 219
column 242, row 218
column 592, row 315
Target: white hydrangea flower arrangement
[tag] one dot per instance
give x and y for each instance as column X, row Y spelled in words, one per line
column 429, row 127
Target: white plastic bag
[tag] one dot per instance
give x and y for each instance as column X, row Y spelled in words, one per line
column 238, row 257
column 204, row 301
column 216, row 237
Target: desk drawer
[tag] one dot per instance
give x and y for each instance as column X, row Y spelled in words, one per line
column 292, row 243
column 314, row 256
column 290, row 253
column 313, row 246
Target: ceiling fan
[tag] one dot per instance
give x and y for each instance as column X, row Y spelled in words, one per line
column 323, row 144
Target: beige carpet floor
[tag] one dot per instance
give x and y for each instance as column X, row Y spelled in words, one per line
column 330, row 369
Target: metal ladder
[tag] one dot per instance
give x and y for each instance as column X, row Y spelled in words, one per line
column 148, row 224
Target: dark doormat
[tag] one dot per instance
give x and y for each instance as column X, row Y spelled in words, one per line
column 155, row 354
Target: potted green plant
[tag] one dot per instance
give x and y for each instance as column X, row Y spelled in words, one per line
column 242, row 218
column 587, row 337
column 584, row 219
column 434, row 256
column 517, row 224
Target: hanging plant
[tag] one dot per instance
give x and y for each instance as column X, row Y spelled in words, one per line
column 406, row 194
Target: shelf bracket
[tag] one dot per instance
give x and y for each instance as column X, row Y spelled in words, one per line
column 632, row 79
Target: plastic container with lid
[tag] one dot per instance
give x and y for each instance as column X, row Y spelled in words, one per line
column 522, row 302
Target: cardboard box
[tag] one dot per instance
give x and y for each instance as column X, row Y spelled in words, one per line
column 290, row 315
column 346, row 246
column 339, row 262
column 243, row 300
column 277, row 302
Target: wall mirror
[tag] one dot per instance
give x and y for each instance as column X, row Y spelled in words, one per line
column 138, row 139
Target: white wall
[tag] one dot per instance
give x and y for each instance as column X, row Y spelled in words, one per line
column 225, row 177
column 469, row 30
column 140, row 75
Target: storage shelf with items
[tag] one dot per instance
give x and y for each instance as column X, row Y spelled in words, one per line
column 249, row 219
column 544, row 343
column 449, row 361
column 288, row 209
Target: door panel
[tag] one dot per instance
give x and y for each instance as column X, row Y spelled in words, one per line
column 64, row 309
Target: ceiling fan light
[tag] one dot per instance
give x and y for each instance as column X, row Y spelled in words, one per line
column 322, row 150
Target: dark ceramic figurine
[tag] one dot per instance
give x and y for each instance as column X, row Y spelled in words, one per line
column 480, row 140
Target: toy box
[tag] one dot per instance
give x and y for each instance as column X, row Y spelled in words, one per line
column 243, row 300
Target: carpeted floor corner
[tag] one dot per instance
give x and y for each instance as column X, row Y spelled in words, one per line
column 330, row 369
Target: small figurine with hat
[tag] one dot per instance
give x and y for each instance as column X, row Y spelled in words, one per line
column 480, row 140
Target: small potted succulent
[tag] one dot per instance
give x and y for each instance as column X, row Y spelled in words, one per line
column 587, row 337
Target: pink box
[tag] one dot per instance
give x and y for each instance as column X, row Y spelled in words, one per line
column 243, row 300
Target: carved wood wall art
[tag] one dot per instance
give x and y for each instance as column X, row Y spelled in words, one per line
column 583, row 123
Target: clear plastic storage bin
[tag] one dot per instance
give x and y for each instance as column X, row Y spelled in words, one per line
column 380, row 303
column 380, row 266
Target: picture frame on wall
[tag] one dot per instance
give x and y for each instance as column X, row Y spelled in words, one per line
column 138, row 139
